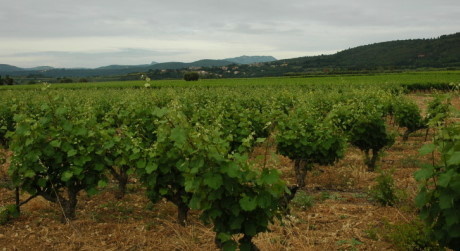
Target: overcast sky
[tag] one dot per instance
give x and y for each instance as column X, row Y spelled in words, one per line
column 92, row 33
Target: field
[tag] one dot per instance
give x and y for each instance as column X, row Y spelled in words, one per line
column 389, row 79
column 198, row 131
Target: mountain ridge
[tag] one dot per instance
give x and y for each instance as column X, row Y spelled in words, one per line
column 441, row 52
column 125, row 69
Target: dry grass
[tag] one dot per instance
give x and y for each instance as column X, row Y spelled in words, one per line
column 340, row 219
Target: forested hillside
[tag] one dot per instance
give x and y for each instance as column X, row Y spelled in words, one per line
column 439, row 52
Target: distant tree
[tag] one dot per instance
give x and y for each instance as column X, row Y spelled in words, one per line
column 191, row 76
column 8, row 80
column 66, row 80
column 83, row 80
column 1, row 80
column 35, row 75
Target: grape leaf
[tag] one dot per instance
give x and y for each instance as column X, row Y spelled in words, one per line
column 248, row 203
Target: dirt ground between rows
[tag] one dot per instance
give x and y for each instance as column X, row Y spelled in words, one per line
column 342, row 216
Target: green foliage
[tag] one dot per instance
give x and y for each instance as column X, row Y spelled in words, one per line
column 65, row 80
column 303, row 138
column 58, row 149
column 235, row 198
column 351, row 244
column 329, row 196
column 7, row 111
column 438, row 110
column 303, row 200
column 344, row 116
column 191, row 76
column 187, row 144
column 407, row 114
column 385, row 191
column 369, row 133
column 414, row 235
column 8, row 80
column 242, row 124
column 345, row 83
column 439, row 196
column 162, row 171
column 192, row 167
column 348, row 111
column 128, row 133
column 8, row 213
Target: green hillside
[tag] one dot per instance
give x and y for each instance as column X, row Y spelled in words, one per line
column 415, row 53
column 438, row 53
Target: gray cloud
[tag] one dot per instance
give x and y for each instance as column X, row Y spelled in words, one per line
column 128, row 56
column 189, row 30
column 118, row 53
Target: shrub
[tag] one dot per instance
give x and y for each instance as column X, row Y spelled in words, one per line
column 303, row 200
column 191, row 76
column 407, row 114
column 65, row 80
column 7, row 213
column 58, row 154
column 307, row 141
column 385, row 191
column 369, row 134
column 411, row 236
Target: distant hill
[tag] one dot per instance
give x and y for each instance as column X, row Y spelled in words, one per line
column 112, row 70
column 40, row 68
column 442, row 52
column 251, row 59
column 199, row 63
column 120, row 67
column 9, row 68
column 414, row 53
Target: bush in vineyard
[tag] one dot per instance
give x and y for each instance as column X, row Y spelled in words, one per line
column 128, row 138
column 407, row 114
column 161, row 173
column 346, row 113
column 307, row 141
column 124, row 150
column 363, row 123
column 439, row 196
column 236, row 198
column 370, row 135
column 8, row 212
column 58, row 153
column 191, row 167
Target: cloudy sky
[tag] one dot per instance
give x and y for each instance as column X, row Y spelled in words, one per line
column 92, row 33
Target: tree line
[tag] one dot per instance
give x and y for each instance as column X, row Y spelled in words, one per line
column 6, row 81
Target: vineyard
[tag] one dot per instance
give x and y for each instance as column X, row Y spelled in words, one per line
column 342, row 163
